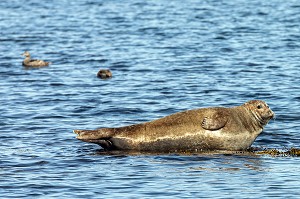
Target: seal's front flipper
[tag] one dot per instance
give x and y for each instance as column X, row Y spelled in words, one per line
column 214, row 122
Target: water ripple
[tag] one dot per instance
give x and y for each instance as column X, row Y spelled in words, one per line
column 165, row 57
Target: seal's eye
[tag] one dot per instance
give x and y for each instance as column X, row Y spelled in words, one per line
column 259, row 106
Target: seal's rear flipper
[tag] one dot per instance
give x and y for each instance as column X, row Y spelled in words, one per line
column 103, row 133
column 99, row 136
column 106, row 144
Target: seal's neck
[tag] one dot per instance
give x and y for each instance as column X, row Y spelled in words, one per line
column 254, row 121
column 259, row 120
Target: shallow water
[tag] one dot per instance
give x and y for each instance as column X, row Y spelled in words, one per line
column 165, row 57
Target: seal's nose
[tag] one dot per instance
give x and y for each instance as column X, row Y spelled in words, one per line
column 272, row 114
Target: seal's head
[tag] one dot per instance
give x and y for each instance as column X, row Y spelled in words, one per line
column 260, row 110
column 104, row 74
column 26, row 54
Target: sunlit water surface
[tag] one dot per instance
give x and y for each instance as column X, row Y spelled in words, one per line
column 166, row 56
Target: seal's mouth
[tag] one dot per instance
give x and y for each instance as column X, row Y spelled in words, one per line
column 268, row 117
column 272, row 115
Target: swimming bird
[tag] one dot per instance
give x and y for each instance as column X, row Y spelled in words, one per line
column 28, row 62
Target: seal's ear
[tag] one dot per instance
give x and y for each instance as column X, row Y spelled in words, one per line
column 214, row 122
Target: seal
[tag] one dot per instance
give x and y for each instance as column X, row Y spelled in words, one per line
column 28, row 62
column 104, row 74
column 215, row 128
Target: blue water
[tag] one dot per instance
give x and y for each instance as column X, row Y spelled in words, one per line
column 165, row 56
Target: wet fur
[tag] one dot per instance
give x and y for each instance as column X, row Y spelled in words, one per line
column 201, row 129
